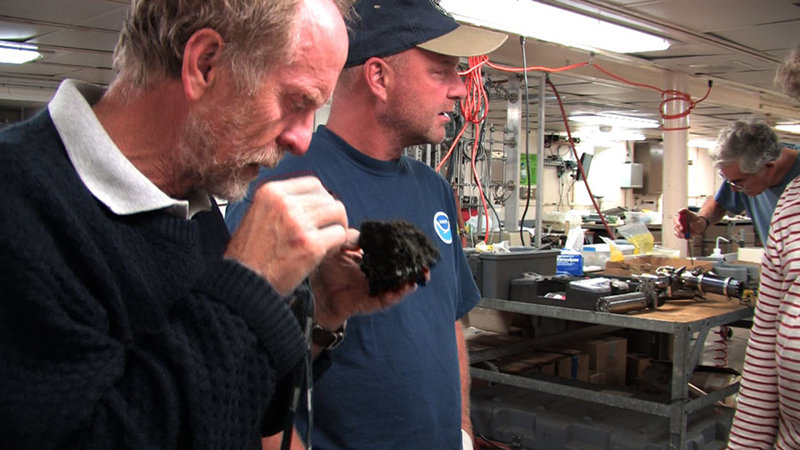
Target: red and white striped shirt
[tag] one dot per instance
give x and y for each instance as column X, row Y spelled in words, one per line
column 768, row 409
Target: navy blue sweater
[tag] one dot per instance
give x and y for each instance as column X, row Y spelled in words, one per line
column 127, row 331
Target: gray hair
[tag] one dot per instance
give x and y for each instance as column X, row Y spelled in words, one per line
column 751, row 144
column 257, row 34
column 788, row 74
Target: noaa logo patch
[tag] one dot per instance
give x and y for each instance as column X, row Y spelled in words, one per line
column 441, row 223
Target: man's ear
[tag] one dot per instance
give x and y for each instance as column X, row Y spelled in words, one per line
column 379, row 76
column 201, row 58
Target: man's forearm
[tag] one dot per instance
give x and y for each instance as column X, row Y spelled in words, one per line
column 463, row 363
column 712, row 211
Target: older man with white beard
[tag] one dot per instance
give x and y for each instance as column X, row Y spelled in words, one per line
column 130, row 318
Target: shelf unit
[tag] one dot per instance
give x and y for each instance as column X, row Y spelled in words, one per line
column 687, row 321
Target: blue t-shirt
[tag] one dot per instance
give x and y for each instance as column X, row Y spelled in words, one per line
column 760, row 207
column 394, row 382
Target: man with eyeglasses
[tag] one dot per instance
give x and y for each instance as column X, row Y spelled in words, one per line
column 756, row 169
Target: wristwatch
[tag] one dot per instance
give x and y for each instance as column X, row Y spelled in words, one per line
column 327, row 339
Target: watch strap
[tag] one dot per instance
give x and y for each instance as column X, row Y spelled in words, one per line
column 327, row 339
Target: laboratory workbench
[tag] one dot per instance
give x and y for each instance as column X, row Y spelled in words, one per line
column 687, row 321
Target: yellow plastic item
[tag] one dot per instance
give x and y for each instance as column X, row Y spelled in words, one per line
column 643, row 243
column 482, row 247
column 615, row 253
column 637, row 234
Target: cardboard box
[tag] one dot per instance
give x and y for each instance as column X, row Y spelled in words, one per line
column 597, row 378
column 710, row 379
column 609, row 356
column 637, row 363
column 548, row 369
column 490, row 319
column 574, row 365
column 529, row 362
column 731, row 247
column 750, row 254
column 484, row 340
column 740, row 234
column 637, row 265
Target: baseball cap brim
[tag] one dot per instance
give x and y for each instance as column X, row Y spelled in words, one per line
column 465, row 41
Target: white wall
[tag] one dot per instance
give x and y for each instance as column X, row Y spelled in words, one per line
column 605, row 177
column 703, row 179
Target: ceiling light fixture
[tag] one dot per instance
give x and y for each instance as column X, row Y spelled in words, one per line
column 548, row 23
column 789, row 128
column 16, row 53
column 596, row 134
column 615, row 120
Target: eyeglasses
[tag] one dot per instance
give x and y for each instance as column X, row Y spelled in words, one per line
column 747, row 177
column 733, row 184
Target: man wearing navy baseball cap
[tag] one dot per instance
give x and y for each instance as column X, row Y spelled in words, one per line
column 384, row 28
column 399, row 379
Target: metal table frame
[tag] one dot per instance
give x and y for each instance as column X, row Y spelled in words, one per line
column 687, row 351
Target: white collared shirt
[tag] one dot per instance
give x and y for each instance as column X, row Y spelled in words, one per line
column 104, row 169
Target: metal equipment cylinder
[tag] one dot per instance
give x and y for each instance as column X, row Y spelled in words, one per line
column 729, row 287
column 622, row 303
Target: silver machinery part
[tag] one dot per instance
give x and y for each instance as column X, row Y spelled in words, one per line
column 622, row 303
column 729, row 287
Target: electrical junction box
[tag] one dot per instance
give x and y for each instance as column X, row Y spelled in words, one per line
column 498, row 269
column 632, row 176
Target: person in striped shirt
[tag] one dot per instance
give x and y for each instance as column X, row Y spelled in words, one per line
column 768, row 409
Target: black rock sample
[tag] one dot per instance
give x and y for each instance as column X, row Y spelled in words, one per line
column 395, row 252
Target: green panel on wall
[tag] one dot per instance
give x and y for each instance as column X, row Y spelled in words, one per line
column 530, row 159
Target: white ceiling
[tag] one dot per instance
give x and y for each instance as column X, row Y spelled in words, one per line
column 736, row 43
